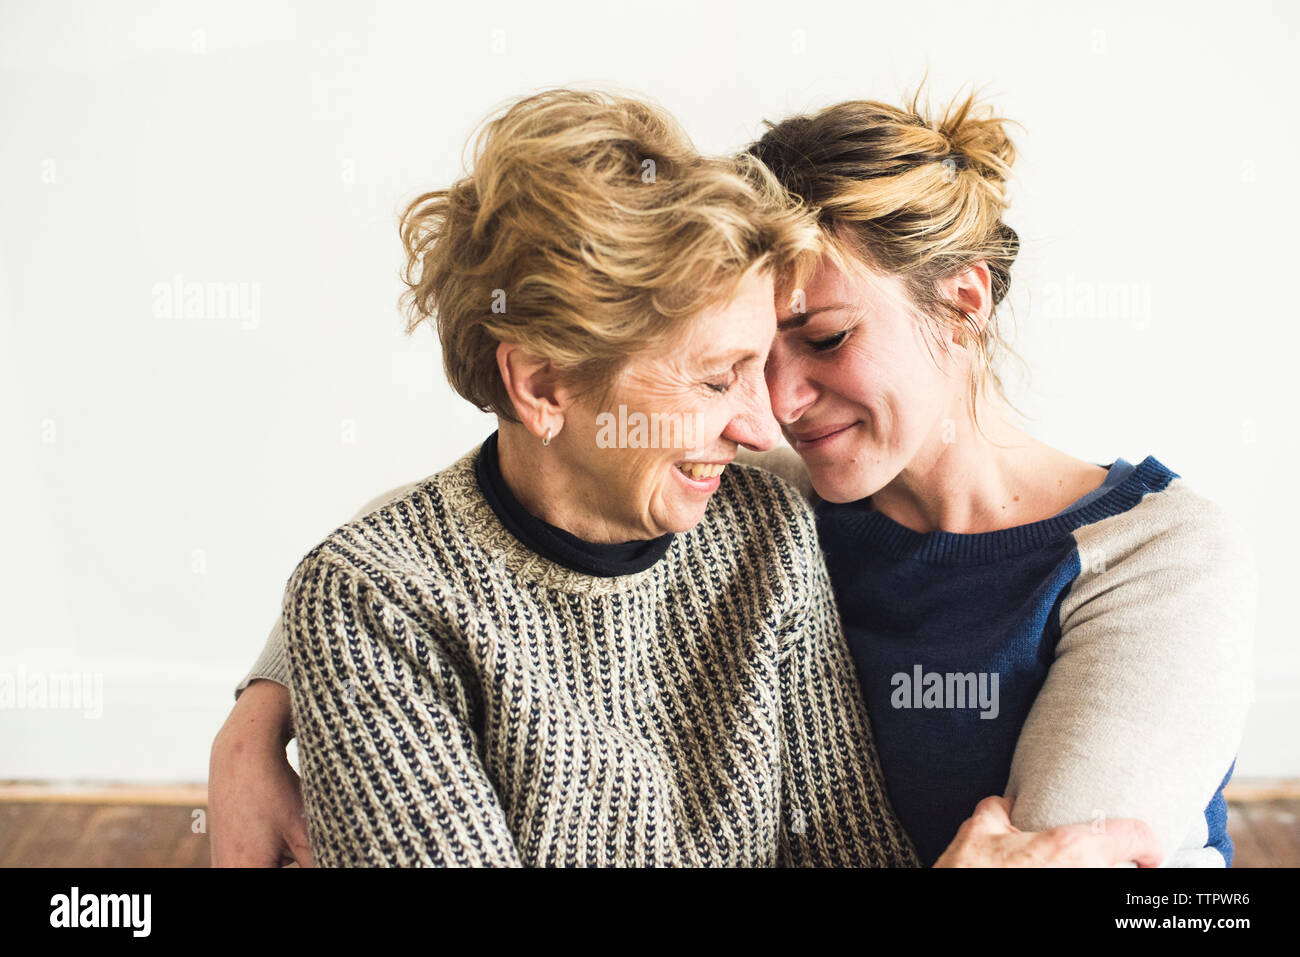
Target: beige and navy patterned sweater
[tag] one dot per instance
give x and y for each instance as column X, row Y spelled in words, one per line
column 460, row 700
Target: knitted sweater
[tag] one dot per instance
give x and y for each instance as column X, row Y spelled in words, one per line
column 459, row 700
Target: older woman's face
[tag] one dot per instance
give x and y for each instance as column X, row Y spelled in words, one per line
column 700, row 398
column 859, row 392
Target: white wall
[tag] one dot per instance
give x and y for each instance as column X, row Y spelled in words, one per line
column 162, row 476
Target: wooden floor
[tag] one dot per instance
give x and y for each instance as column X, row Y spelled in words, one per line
column 61, row 833
column 55, row 834
column 1265, row 833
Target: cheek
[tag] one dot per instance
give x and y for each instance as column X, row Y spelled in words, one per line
column 863, row 378
column 899, row 391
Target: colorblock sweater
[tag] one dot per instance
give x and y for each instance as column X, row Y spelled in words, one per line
column 1094, row 665
column 460, row 700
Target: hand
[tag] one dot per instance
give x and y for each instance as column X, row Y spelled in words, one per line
column 987, row 839
column 254, row 797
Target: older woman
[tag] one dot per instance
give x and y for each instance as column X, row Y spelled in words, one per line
column 580, row 644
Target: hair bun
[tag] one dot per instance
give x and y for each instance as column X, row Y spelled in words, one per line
column 978, row 138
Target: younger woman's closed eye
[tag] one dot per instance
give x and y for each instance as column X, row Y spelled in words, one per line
column 830, row 342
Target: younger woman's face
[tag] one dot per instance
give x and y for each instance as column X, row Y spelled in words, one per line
column 857, row 386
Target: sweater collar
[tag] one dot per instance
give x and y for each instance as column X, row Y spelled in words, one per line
column 550, row 541
column 869, row 527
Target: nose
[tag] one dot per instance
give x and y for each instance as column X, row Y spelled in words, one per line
column 790, row 390
column 753, row 425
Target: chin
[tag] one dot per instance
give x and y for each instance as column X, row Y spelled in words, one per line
column 843, row 483
column 837, row 493
column 682, row 521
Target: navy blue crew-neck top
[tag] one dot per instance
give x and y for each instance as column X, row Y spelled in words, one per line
column 915, row 604
column 554, row 543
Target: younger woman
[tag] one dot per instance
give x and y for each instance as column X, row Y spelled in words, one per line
column 1072, row 635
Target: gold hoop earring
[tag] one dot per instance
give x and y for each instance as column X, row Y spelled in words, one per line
column 546, row 440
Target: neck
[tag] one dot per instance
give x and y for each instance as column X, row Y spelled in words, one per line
column 967, row 480
column 540, row 478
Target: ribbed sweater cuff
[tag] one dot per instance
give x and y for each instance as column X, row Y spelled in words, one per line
column 272, row 664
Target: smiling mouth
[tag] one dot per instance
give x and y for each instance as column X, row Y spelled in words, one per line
column 816, row 436
column 701, row 471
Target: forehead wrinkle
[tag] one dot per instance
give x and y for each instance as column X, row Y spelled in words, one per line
column 856, row 310
column 798, row 319
column 728, row 359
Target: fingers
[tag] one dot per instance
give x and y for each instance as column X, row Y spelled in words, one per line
column 1131, row 840
column 988, row 839
column 977, row 842
column 1077, row 845
column 237, row 853
column 296, row 829
column 300, row 847
column 992, row 816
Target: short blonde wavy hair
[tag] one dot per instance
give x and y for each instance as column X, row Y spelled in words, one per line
column 586, row 230
column 912, row 193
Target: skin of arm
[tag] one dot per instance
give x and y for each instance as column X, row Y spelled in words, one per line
column 254, row 796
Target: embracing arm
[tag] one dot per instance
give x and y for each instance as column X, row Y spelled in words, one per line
column 254, row 799
column 835, row 810
column 1144, row 705
column 384, row 714
column 254, row 796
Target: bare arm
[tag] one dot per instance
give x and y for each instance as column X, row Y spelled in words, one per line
column 254, row 797
column 254, row 800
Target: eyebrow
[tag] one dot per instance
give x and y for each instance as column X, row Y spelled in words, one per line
column 799, row 320
column 734, row 357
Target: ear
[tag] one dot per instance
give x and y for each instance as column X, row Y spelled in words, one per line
column 539, row 398
column 970, row 291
